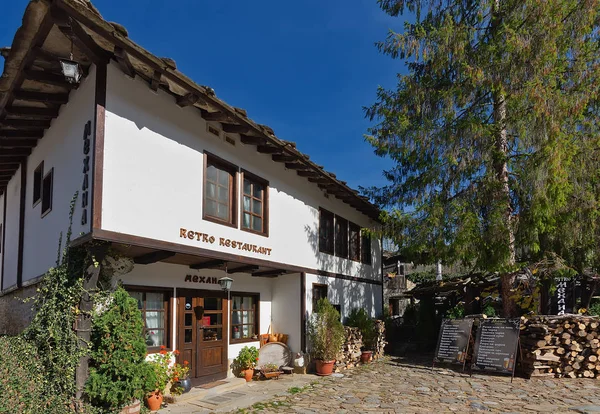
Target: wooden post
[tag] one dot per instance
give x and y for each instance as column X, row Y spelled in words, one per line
column 83, row 324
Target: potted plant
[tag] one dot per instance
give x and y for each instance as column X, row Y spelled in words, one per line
column 270, row 371
column 117, row 363
column 359, row 318
column 179, row 377
column 157, row 383
column 326, row 334
column 246, row 360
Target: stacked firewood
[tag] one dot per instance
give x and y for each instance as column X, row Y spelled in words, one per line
column 561, row 346
column 380, row 342
column 349, row 355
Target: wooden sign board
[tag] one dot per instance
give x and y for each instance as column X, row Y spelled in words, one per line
column 453, row 342
column 496, row 345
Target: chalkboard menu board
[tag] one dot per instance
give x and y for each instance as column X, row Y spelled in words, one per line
column 453, row 341
column 496, row 345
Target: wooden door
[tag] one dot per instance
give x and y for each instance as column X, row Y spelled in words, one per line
column 202, row 333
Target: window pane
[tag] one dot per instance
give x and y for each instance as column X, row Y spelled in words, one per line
column 236, row 317
column 247, row 187
column 247, row 302
column 213, row 334
column 187, row 336
column 154, row 320
column 237, row 302
column 212, row 303
column 211, row 208
column 246, row 203
column 257, row 191
column 212, row 319
column 211, row 190
column 257, row 224
column 246, row 317
column 154, row 301
column 257, row 207
column 224, row 178
column 139, row 296
column 223, row 212
column 246, row 220
column 155, row 338
column 211, row 173
column 223, row 195
column 236, row 332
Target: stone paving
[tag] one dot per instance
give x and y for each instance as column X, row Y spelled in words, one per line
column 395, row 385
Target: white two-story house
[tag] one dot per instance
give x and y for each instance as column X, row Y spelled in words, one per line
column 187, row 186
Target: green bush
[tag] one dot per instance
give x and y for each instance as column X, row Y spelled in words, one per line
column 594, row 309
column 325, row 331
column 22, row 380
column 118, row 370
column 359, row 318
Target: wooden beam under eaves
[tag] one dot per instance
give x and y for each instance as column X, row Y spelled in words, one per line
column 153, row 257
column 187, row 100
column 267, row 149
column 269, row 273
column 124, row 62
column 243, row 269
column 31, row 112
column 216, row 116
column 155, row 81
column 236, row 129
column 12, row 159
column 49, row 78
column 296, row 166
column 8, row 167
column 15, row 142
column 15, row 133
column 302, row 173
column 251, row 140
column 73, row 31
column 211, row 264
column 318, row 180
column 25, row 123
column 14, row 152
column 32, row 96
column 284, row 158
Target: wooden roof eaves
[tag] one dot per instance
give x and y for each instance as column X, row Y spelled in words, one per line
column 103, row 28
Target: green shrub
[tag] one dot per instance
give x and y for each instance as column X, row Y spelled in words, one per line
column 325, row 331
column 359, row 318
column 118, row 370
column 594, row 309
column 22, row 380
column 456, row 312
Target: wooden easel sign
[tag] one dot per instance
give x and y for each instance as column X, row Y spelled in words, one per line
column 496, row 346
column 453, row 342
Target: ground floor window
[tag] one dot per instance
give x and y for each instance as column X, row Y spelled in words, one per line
column 319, row 291
column 154, row 306
column 244, row 317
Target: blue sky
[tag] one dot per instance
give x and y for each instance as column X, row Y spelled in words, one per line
column 304, row 68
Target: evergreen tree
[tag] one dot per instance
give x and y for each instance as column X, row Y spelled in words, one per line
column 487, row 127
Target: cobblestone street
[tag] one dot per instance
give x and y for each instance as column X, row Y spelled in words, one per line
column 399, row 386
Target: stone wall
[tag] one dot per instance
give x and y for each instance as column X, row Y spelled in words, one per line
column 15, row 315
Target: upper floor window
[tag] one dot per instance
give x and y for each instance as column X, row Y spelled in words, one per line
column 47, row 188
column 365, row 249
column 354, row 239
column 254, row 204
column 325, row 231
column 219, row 191
column 38, row 175
column 341, row 237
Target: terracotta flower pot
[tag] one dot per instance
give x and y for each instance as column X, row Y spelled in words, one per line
column 324, row 368
column 154, row 400
column 365, row 356
column 248, row 374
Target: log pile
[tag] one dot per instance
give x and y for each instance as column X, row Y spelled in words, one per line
column 561, row 346
column 349, row 356
column 380, row 342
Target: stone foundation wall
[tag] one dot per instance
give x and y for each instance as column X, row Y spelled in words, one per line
column 15, row 315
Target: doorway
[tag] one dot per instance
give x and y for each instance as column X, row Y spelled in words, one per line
column 202, row 333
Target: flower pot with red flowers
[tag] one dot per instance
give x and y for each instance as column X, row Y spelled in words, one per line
column 159, row 377
column 179, row 377
column 246, row 361
column 326, row 334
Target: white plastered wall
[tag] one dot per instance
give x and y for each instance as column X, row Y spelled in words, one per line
column 286, row 309
column 346, row 293
column 153, row 174
column 61, row 148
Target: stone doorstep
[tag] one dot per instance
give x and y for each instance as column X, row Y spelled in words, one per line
column 200, row 393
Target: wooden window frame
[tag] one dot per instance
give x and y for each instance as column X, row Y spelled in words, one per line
column 354, row 227
column 318, row 286
column 364, row 247
column 256, row 310
column 231, row 168
column 344, row 248
column 168, row 305
column 329, row 247
column 49, row 175
column 255, row 179
column 38, row 180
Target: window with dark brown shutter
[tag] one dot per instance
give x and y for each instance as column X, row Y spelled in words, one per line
column 354, row 238
column 47, row 188
column 38, row 175
column 365, row 249
column 341, row 237
column 325, row 231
